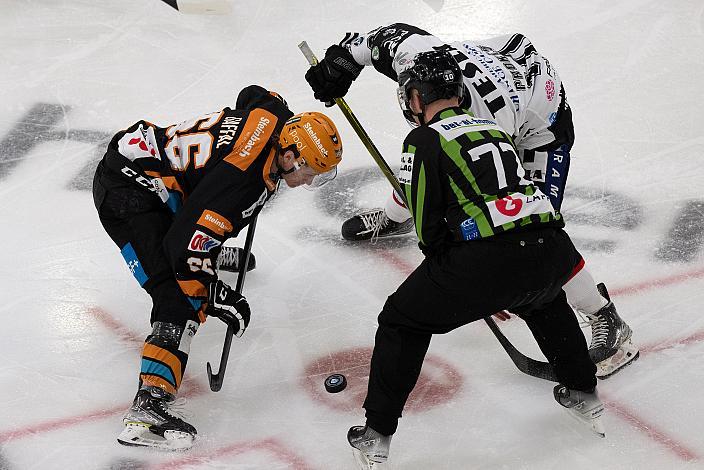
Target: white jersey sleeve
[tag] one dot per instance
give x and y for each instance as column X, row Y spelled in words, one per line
column 389, row 48
column 506, row 80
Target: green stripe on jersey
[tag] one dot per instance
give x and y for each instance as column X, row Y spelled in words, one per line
column 409, row 187
column 472, row 210
column 420, row 200
column 452, row 149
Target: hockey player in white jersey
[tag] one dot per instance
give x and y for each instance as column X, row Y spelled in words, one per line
column 506, row 80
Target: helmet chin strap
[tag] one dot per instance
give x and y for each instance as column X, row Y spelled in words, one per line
column 421, row 115
column 280, row 171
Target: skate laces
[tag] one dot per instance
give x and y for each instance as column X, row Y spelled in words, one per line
column 227, row 257
column 374, row 221
column 600, row 330
column 177, row 408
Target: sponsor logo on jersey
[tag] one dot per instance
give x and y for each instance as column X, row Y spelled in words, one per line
column 228, row 129
column 214, row 222
column 405, row 174
column 465, row 122
column 202, row 243
column 550, row 89
column 509, row 206
column 469, row 229
column 255, row 137
column 510, row 65
column 516, row 206
column 375, row 53
column 453, row 127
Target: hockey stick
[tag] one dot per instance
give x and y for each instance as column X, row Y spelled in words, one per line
column 525, row 364
column 216, row 379
column 357, row 126
column 200, row 7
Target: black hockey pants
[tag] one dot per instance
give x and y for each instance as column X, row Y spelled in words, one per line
column 137, row 222
column 521, row 272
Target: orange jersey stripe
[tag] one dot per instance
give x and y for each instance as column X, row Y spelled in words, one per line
column 193, row 288
column 255, row 135
column 267, row 171
column 162, row 355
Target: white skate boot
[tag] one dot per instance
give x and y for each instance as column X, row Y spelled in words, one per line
column 371, row 449
column 585, row 406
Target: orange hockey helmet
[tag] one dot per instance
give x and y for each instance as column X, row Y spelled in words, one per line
column 316, row 140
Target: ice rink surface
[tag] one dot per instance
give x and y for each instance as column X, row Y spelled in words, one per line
column 73, row 72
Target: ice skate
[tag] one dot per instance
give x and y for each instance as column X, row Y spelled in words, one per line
column 611, row 348
column 585, row 406
column 231, row 258
column 374, row 224
column 151, row 422
column 370, row 449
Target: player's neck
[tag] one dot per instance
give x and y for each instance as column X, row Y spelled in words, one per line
column 432, row 109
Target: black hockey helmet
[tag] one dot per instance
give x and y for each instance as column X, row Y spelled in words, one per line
column 435, row 74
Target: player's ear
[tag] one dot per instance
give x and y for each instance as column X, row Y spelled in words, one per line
column 287, row 158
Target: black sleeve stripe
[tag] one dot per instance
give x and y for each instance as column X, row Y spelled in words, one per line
column 513, row 44
column 348, row 39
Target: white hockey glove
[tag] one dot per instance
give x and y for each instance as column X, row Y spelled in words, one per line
column 229, row 306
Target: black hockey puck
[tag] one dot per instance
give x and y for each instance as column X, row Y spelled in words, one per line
column 335, row 383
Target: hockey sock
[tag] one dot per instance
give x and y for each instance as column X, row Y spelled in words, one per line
column 395, row 209
column 165, row 355
column 582, row 293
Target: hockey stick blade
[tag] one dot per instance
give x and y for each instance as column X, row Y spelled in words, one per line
column 527, row 365
column 202, row 7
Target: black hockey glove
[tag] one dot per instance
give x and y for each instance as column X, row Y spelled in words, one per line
column 229, row 306
column 333, row 75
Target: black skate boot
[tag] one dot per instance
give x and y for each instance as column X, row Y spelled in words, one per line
column 370, row 448
column 611, row 348
column 150, row 422
column 232, row 257
column 373, row 224
column 585, row 406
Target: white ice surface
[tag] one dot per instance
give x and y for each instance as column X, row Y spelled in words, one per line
column 73, row 318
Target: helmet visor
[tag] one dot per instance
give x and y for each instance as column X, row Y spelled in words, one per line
column 312, row 178
column 321, row 179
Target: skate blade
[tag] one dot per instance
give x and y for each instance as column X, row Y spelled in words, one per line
column 593, row 422
column 626, row 355
column 139, row 435
column 363, row 462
